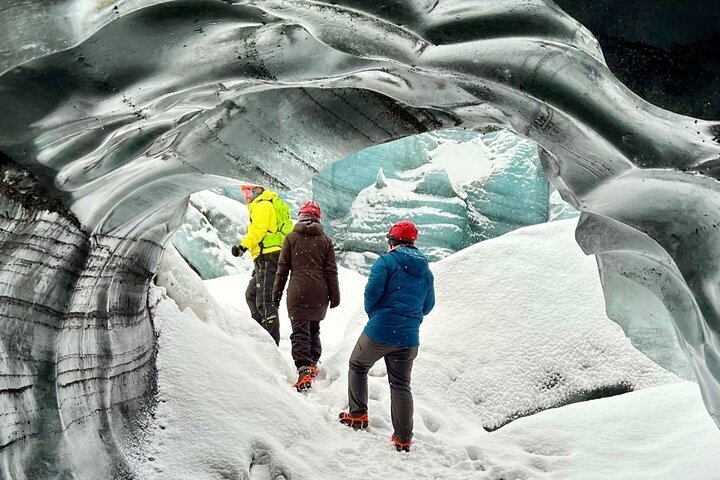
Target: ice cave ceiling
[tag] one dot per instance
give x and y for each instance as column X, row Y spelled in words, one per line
column 111, row 113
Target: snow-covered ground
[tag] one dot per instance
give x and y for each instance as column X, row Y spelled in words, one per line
column 519, row 327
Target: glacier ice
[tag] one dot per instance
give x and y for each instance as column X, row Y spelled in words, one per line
column 515, row 192
column 645, row 321
column 460, row 187
column 559, row 209
column 212, row 223
column 120, row 110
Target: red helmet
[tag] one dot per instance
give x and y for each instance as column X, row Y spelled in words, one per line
column 404, row 231
column 310, row 208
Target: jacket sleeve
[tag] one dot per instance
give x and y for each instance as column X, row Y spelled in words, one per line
column 429, row 302
column 283, row 269
column 331, row 274
column 376, row 284
column 259, row 224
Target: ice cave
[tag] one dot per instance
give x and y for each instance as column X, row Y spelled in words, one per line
column 534, row 173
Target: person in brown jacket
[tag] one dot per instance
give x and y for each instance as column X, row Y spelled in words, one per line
column 308, row 256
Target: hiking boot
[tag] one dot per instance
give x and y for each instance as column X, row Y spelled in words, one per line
column 356, row 423
column 400, row 446
column 304, row 381
column 313, row 370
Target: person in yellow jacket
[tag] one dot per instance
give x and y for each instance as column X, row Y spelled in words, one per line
column 264, row 242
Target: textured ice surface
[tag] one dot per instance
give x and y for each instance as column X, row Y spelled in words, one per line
column 646, row 322
column 559, row 208
column 212, row 224
column 123, row 109
column 515, row 190
column 468, row 188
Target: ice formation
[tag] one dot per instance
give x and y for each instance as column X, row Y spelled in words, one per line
column 121, row 109
column 459, row 187
column 212, row 223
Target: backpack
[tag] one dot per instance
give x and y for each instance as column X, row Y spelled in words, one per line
column 284, row 219
column 283, row 227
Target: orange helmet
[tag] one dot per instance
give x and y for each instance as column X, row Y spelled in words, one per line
column 250, row 192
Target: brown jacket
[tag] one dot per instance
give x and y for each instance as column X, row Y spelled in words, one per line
column 308, row 255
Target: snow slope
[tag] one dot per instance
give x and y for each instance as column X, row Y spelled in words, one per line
column 519, row 327
column 523, row 318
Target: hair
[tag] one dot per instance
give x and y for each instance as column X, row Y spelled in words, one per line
column 394, row 242
column 308, row 216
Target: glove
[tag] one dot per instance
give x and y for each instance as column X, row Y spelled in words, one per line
column 238, row 250
column 334, row 302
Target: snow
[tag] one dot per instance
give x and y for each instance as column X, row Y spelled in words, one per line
column 509, row 310
column 464, row 162
column 537, row 328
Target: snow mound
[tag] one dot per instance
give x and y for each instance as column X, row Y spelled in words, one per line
column 521, row 327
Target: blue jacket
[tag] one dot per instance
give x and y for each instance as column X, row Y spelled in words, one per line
column 398, row 294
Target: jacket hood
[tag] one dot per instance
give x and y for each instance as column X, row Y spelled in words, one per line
column 308, row 227
column 411, row 260
column 266, row 195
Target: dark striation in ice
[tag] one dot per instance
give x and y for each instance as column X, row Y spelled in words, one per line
column 119, row 110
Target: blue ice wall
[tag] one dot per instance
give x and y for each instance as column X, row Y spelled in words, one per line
column 513, row 196
column 336, row 186
column 503, row 188
column 451, row 213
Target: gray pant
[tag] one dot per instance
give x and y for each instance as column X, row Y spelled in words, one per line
column 399, row 362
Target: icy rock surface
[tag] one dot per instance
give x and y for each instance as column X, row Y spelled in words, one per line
column 123, row 109
column 212, row 224
column 215, row 220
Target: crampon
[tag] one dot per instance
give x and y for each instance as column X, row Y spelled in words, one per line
column 400, row 446
column 356, row 423
column 304, row 381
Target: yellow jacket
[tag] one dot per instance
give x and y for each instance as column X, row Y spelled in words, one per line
column 263, row 221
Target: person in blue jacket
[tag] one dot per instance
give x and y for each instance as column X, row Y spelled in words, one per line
column 399, row 293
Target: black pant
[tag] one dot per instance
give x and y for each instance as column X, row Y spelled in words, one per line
column 259, row 294
column 305, row 339
column 399, row 362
